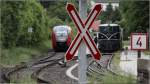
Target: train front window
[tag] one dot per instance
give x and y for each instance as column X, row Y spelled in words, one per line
column 109, row 29
column 114, row 29
column 61, row 31
column 104, row 29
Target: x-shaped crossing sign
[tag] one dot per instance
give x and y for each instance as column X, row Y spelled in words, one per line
column 83, row 31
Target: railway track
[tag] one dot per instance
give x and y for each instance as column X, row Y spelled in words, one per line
column 37, row 74
column 7, row 75
column 52, row 59
column 39, row 64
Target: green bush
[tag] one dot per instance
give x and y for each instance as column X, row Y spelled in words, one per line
column 17, row 17
column 109, row 78
column 112, row 79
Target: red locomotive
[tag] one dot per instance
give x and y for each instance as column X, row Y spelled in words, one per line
column 61, row 37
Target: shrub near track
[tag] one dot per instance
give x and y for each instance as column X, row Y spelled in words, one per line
column 15, row 55
column 17, row 17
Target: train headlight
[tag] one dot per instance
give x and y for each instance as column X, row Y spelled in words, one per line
column 115, row 36
column 100, row 36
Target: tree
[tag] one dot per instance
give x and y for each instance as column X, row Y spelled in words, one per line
column 110, row 15
column 135, row 16
column 57, row 9
column 116, row 16
column 17, row 17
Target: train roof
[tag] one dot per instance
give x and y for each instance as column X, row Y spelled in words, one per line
column 65, row 26
column 61, row 26
column 108, row 25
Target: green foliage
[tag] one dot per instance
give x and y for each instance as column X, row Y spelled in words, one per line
column 57, row 9
column 55, row 21
column 24, row 79
column 135, row 16
column 110, row 15
column 116, row 59
column 126, row 43
column 15, row 55
column 109, row 78
column 17, row 17
column 112, row 79
column 147, row 53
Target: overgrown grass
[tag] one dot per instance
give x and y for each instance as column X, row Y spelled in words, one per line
column 126, row 43
column 15, row 55
column 109, row 78
column 25, row 79
column 116, row 58
column 147, row 52
column 113, row 79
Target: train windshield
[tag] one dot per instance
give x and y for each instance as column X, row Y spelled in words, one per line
column 109, row 29
column 61, row 29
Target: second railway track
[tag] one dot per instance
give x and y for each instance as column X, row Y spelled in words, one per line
column 102, row 66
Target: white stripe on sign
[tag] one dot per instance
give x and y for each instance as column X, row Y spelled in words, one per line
column 90, row 43
column 90, row 20
column 76, row 19
column 84, row 30
column 88, row 23
column 75, row 45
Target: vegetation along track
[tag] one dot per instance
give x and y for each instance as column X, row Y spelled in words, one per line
column 102, row 66
column 7, row 75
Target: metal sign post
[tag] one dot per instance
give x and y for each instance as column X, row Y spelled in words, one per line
column 83, row 37
column 139, row 41
column 149, row 46
column 83, row 63
column 139, row 53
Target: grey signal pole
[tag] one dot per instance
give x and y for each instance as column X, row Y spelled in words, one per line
column 148, row 31
column 82, row 49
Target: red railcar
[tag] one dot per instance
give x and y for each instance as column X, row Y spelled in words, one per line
column 61, row 37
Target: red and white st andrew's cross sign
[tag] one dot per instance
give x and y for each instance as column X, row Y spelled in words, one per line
column 83, row 33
